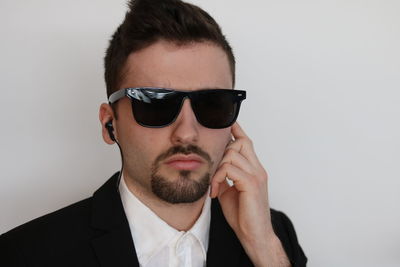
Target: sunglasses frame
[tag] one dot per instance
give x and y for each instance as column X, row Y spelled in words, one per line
column 136, row 93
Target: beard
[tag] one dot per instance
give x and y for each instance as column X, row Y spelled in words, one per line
column 185, row 188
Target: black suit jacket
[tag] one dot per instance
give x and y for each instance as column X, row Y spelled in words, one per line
column 95, row 232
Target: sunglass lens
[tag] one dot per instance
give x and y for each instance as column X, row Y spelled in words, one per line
column 216, row 109
column 156, row 112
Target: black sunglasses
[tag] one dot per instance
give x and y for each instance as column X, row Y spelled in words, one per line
column 159, row 107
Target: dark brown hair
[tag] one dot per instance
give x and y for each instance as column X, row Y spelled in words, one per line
column 148, row 21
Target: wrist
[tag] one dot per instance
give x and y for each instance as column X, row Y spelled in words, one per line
column 267, row 252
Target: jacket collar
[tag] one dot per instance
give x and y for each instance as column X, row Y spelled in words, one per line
column 114, row 245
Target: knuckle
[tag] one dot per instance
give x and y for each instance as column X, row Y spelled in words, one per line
column 245, row 142
column 230, row 153
column 229, row 150
column 249, row 142
column 225, row 166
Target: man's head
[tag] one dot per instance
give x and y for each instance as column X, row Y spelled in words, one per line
column 148, row 21
column 167, row 44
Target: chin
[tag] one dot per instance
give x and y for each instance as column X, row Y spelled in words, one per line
column 184, row 189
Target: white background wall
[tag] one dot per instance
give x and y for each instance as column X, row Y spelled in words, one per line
column 323, row 80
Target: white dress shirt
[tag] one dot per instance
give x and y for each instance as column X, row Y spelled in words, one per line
column 158, row 244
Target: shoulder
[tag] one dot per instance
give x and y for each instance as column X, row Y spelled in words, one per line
column 285, row 231
column 65, row 237
column 62, row 229
column 70, row 216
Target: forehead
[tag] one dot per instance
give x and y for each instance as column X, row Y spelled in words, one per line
column 186, row 67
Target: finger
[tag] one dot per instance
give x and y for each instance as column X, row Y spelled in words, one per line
column 223, row 187
column 232, row 156
column 237, row 131
column 240, row 178
column 243, row 143
column 244, row 147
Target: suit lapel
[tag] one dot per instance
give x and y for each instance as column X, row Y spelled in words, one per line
column 224, row 248
column 114, row 245
column 115, row 249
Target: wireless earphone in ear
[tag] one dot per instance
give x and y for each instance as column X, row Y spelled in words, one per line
column 110, row 130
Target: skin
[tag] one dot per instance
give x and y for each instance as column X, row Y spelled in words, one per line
column 245, row 205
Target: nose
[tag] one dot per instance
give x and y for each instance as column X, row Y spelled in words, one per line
column 186, row 127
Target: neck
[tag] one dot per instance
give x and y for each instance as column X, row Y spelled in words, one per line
column 179, row 216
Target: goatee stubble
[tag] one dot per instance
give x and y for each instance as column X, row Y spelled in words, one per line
column 185, row 189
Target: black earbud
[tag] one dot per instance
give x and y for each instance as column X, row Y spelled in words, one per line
column 110, row 130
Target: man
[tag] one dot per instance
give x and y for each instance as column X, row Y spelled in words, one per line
column 169, row 74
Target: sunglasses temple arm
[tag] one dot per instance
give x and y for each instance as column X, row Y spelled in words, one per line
column 117, row 95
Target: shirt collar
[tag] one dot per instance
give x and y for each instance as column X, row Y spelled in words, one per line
column 143, row 223
column 201, row 228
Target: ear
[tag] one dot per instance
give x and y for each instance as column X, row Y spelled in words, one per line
column 106, row 114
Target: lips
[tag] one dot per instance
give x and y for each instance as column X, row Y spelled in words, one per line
column 184, row 162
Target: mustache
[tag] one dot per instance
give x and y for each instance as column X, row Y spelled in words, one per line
column 186, row 150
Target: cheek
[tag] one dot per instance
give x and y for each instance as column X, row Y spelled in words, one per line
column 141, row 146
column 218, row 145
column 145, row 144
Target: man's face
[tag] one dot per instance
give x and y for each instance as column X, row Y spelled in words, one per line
column 174, row 163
